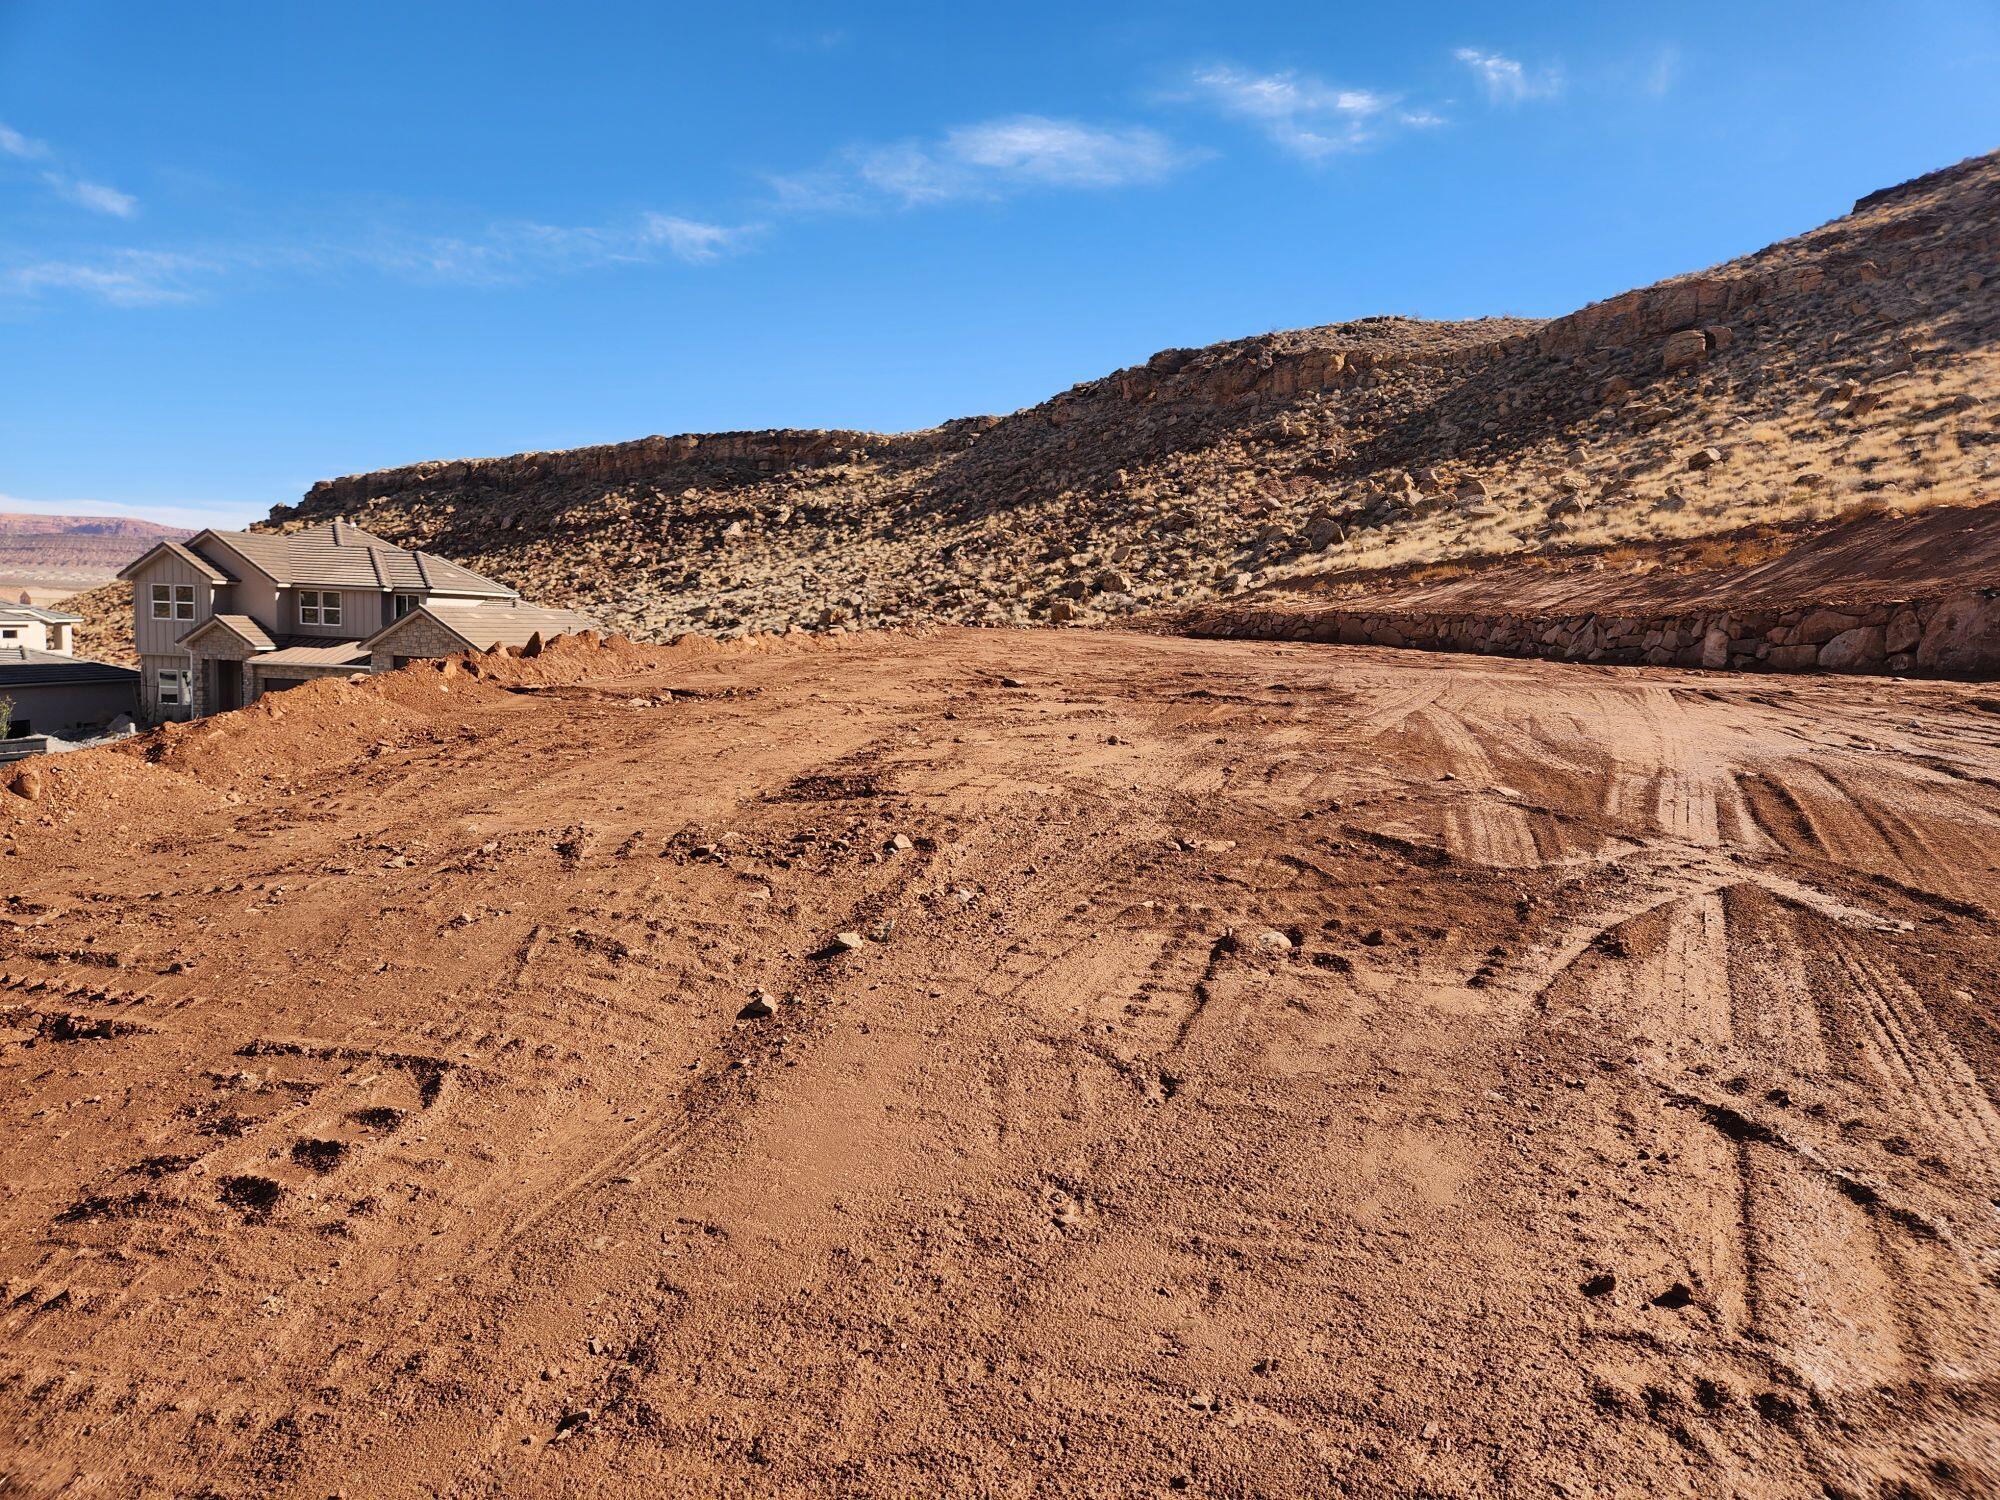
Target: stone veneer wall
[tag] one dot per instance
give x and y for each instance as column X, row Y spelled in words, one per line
column 418, row 636
column 1951, row 635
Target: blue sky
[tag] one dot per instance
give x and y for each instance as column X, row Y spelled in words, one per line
column 244, row 246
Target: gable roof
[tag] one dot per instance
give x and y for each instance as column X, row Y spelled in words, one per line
column 242, row 626
column 22, row 667
column 482, row 626
column 339, row 555
column 37, row 612
column 175, row 549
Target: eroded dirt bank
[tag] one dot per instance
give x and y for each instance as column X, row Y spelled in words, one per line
column 1267, row 1070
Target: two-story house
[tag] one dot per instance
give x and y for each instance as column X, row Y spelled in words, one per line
column 227, row 616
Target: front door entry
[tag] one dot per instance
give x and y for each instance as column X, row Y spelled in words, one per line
column 228, row 685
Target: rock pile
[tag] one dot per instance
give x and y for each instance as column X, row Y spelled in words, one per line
column 1957, row 635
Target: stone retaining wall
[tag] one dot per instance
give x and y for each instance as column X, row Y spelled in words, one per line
column 1950, row 635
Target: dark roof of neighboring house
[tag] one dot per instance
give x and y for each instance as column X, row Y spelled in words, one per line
column 21, row 667
column 253, row 634
column 193, row 559
column 337, row 555
column 484, row 626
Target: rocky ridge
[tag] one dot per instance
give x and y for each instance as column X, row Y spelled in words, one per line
column 1850, row 368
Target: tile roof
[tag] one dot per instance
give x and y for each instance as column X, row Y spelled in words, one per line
column 319, row 654
column 186, row 554
column 22, row 667
column 337, row 555
column 486, row 625
column 241, row 625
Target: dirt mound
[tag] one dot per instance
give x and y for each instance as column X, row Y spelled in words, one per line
column 1010, row 1062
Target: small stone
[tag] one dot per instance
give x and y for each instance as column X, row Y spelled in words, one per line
column 1704, row 458
column 1603, row 1284
column 1679, row 1295
column 846, row 942
column 758, row 1008
column 902, row 843
column 1274, row 941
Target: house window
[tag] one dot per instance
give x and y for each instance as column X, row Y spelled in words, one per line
column 319, row 607
column 404, row 603
column 173, row 601
column 10, row 635
column 173, row 688
column 163, row 602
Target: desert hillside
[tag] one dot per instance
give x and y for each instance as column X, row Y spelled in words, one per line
column 1852, row 367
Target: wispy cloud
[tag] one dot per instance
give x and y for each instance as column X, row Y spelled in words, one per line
column 1507, row 80
column 516, row 250
column 991, row 159
column 123, row 278
column 498, row 254
column 1660, row 76
column 94, row 196
column 1302, row 114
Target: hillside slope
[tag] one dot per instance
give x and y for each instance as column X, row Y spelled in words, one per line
column 1852, row 367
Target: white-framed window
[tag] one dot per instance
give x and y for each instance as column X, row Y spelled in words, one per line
column 173, row 601
column 10, row 635
column 319, row 607
column 174, row 689
column 402, row 604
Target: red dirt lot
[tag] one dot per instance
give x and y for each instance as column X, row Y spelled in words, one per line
column 1267, row 1070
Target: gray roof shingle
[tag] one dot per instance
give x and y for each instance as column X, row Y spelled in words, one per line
column 337, row 555
column 22, row 667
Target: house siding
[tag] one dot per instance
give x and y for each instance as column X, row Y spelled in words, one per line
column 361, row 614
column 150, row 667
column 63, row 707
column 156, row 637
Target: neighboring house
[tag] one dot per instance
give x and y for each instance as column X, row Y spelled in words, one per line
column 55, row 693
column 227, row 616
column 38, row 629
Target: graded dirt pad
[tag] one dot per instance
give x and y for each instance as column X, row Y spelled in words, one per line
column 1267, row 1070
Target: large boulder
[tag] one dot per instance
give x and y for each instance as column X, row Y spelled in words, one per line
column 1857, row 650
column 1683, row 350
column 1963, row 637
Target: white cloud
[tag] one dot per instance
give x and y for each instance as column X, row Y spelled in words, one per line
column 94, row 196
column 520, row 250
column 1306, row 116
column 123, row 278
column 1659, row 79
column 1506, row 80
column 20, row 147
column 991, row 159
